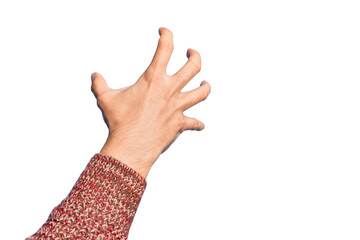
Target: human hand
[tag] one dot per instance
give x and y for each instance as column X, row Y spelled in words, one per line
column 144, row 119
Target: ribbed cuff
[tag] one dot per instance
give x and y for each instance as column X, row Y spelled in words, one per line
column 101, row 205
column 125, row 169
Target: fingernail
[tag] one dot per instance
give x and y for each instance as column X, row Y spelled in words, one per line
column 187, row 53
column 93, row 76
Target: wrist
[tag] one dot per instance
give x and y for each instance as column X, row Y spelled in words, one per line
column 131, row 155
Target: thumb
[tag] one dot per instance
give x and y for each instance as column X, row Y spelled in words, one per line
column 98, row 85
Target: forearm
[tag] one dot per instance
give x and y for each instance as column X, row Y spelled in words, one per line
column 101, row 205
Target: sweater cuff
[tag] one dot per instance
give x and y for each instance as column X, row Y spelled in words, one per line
column 124, row 169
column 101, row 205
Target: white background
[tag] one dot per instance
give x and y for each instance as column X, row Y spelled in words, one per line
column 278, row 158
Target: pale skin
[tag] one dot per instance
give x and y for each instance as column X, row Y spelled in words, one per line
column 144, row 119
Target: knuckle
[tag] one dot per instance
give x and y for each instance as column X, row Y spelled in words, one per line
column 209, row 88
column 197, row 124
column 197, row 63
column 206, row 93
column 93, row 87
column 197, row 66
column 198, row 98
column 152, row 72
column 201, row 96
column 167, row 44
column 101, row 99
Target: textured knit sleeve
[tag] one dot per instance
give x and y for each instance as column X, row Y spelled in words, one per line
column 101, row 205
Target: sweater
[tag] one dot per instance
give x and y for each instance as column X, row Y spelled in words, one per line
column 101, row 205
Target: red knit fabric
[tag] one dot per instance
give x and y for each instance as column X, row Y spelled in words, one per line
column 101, row 205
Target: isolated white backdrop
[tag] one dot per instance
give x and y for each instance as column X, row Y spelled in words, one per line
column 278, row 158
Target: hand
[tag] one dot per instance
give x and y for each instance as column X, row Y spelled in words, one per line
column 144, row 119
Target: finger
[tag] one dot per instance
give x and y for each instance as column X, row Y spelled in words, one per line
column 193, row 124
column 98, row 85
column 164, row 50
column 190, row 98
column 189, row 70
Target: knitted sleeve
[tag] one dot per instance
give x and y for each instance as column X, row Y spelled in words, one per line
column 101, row 205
